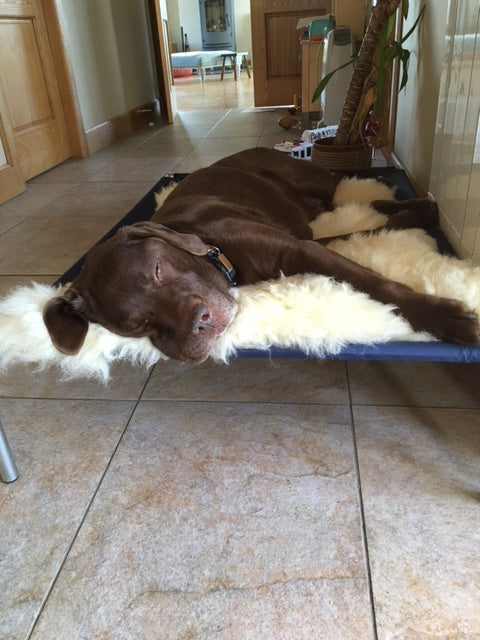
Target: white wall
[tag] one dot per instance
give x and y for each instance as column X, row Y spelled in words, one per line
column 438, row 124
column 455, row 180
column 188, row 16
column 243, row 27
column 108, row 45
column 173, row 14
column 417, row 103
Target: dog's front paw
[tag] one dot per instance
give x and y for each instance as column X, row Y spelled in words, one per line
column 461, row 325
column 448, row 320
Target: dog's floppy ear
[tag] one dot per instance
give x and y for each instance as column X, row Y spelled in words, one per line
column 186, row 241
column 66, row 326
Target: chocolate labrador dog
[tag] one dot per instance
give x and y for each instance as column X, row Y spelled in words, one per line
column 169, row 278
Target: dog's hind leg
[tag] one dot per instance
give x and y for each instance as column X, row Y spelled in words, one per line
column 401, row 220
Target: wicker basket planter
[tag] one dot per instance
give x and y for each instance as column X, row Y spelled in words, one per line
column 341, row 158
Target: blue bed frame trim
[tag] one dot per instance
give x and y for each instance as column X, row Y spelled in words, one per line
column 394, row 350
column 402, row 351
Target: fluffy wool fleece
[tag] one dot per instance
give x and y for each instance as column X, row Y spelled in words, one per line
column 310, row 312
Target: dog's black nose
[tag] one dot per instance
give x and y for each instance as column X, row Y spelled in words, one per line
column 202, row 319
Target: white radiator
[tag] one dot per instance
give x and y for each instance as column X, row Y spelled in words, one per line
column 338, row 48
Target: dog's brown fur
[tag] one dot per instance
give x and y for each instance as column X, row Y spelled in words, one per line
column 152, row 279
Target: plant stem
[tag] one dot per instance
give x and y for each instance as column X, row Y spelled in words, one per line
column 363, row 67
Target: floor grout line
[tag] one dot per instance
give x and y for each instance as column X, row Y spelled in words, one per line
column 79, row 528
column 363, row 526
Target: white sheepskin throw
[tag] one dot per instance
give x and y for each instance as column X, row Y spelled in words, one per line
column 310, row 312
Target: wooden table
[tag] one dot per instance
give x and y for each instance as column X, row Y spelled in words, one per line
column 201, row 60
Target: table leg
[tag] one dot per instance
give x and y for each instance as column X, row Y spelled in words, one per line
column 8, row 469
column 247, row 68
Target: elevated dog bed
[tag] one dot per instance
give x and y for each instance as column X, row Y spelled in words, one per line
column 314, row 316
column 371, row 332
column 400, row 350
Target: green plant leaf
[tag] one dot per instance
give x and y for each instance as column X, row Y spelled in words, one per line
column 326, row 79
column 419, row 17
column 387, row 52
column 385, row 58
column 405, row 59
column 389, row 25
column 385, row 34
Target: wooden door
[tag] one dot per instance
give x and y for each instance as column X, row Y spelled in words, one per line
column 11, row 179
column 161, row 46
column 33, row 123
column 276, row 49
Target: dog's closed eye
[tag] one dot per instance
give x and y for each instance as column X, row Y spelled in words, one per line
column 158, row 272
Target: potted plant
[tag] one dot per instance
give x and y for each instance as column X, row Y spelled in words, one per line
column 358, row 127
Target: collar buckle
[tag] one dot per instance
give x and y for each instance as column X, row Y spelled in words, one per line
column 223, row 264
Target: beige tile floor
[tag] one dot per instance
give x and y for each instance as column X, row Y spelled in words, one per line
column 285, row 500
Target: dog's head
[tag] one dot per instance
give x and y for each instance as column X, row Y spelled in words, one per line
column 147, row 280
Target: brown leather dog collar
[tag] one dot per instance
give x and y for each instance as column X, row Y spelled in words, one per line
column 223, row 264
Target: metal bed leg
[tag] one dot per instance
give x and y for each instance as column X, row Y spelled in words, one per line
column 8, row 469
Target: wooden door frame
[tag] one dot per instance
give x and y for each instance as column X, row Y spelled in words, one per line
column 163, row 66
column 394, row 79
column 56, row 30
